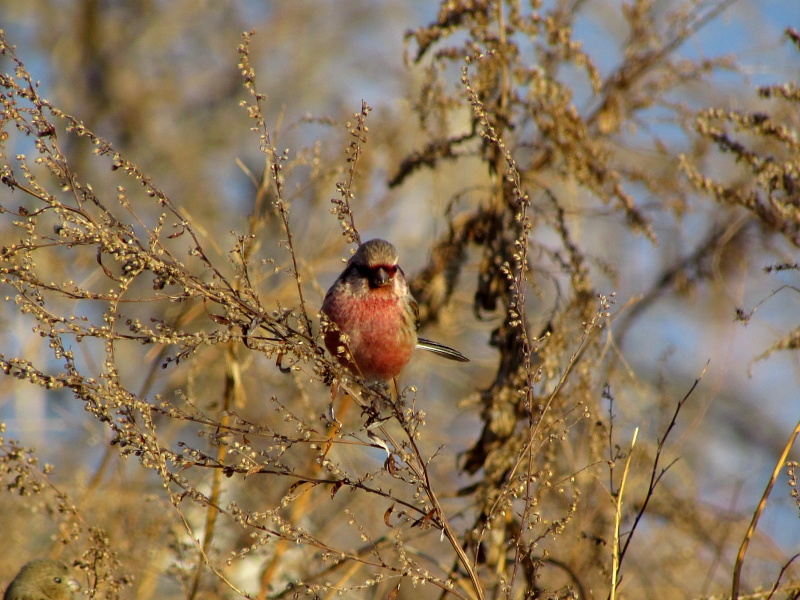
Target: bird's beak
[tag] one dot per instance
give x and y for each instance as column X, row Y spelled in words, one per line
column 73, row 584
column 380, row 277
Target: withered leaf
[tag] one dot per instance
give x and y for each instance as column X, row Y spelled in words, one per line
column 219, row 319
column 391, row 466
column 425, row 521
column 336, row 487
column 388, row 514
column 294, row 486
column 393, row 594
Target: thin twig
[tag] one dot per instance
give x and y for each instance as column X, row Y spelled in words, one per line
column 615, row 558
column 655, row 475
column 780, row 575
column 737, row 569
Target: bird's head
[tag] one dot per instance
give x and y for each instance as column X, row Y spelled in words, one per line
column 376, row 262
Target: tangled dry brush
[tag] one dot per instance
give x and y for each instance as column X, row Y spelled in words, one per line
column 206, row 463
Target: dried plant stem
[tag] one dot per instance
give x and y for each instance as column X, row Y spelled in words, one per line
column 349, row 573
column 737, row 569
column 342, row 207
column 296, row 511
column 655, row 473
column 204, row 557
column 231, row 382
column 777, row 583
column 417, row 466
column 615, row 555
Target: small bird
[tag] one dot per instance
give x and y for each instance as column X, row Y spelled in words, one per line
column 41, row 579
column 370, row 303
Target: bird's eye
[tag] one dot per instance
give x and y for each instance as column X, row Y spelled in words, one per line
column 391, row 270
column 57, row 579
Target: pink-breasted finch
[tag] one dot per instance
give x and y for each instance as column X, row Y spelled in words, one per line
column 370, row 303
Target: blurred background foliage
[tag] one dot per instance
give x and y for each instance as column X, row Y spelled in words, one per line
column 645, row 149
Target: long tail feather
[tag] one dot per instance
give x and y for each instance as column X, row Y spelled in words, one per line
column 441, row 350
